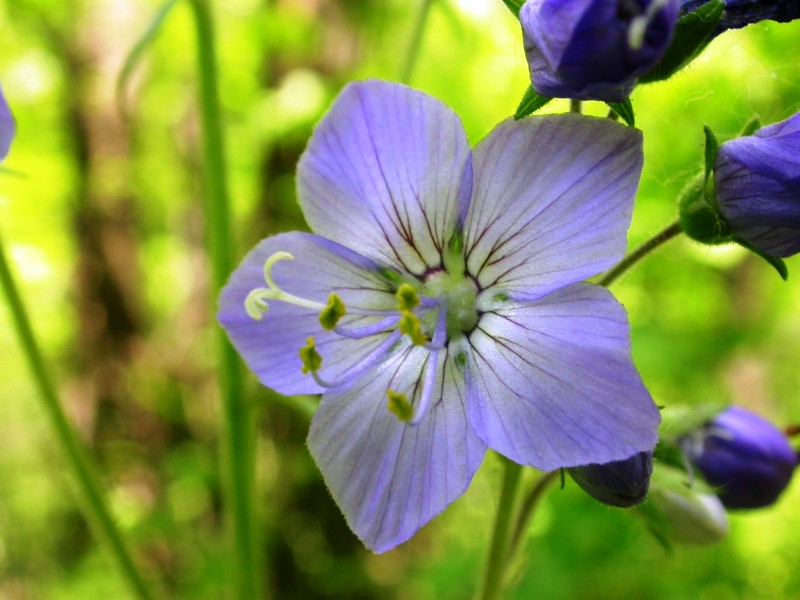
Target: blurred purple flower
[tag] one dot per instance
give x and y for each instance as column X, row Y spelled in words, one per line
column 757, row 186
column 745, row 456
column 456, row 315
column 594, row 49
column 739, row 13
column 622, row 483
column 6, row 127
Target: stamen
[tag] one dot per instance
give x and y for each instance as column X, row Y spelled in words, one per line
column 427, row 388
column 366, row 363
column 256, row 302
column 410, row 325
column 357, row 333
column 399, row 405
column 332, row 313
column 407, row 298
column 312, row 361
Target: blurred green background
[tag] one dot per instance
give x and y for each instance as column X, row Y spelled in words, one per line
column 102, row 217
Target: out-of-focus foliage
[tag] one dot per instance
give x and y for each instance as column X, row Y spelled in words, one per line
column 102, row 218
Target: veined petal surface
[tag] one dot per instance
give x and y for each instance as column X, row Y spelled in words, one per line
column 388, row 173
column 388, row 477
column 552, row 202
column 270, row 346
column 551, row 384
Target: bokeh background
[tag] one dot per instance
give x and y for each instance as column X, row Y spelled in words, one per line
column 101, row 213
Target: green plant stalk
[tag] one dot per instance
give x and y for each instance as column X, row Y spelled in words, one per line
column 239, row 421
column 492, row 587
column 626, row 263
column 90, row 492
column 416, row 42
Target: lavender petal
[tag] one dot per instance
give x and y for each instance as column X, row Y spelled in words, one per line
column 388, row 173
column 552, row 384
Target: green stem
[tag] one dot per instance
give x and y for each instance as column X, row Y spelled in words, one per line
column 575, row 106
column 527, row 508
column 89, row 489
column 626, row 263
column 498, row 551
column 238, row 438
column 416, row 41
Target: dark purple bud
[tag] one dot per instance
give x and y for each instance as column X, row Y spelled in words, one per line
column 6, row 126
column 623, row 483
column 739, row 13
column 594, row 49
column 757, row 186
column 746, row 458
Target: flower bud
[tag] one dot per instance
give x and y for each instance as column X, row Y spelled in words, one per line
column 739, row 13
column 747, row 458
column 691, row 517
column 757, row 187
column 6, row 127
column 623, row 483
column 594, row 49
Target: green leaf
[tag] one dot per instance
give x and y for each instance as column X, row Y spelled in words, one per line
column 753, row 125
column 624, row 110
column 712, row 148
column 137, row 52
column 531, row 102
column 692, row 34
column 514, row 6
column 776, row 262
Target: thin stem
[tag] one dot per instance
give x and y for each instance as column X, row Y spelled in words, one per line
column 415, row 43
column 90, row 491
column 626, row 263
column 238, row 438
column 526, row 509
column 496, row 562
column 575, row 106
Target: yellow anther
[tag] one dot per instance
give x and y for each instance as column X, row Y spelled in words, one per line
column 400, row 406
column 331, row 314
column 409, row 325
column 312, row 361
column 407, row 298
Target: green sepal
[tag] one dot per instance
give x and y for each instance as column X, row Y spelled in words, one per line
column 678, row 421
column 624, row 110
column 514, row 6
column 753, row 125
column 531, row 102
column 699, row 217
column 776, row 262
column 712, row 149
column 693, row 32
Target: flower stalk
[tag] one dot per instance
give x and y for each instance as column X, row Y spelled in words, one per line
column 492, row 587
column 631, row 259
column 416, row 41
column 89, row 489
column 239, row 423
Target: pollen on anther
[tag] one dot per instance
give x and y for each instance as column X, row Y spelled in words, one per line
column 312, row 361
column 400, row 406
column 332, row 313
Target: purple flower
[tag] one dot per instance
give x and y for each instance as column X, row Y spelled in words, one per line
column 757, row 186
column 6, row 127
column 746, row 457
column 594, row 49
column 739, row 13
column 622, row 483
column 439, row 306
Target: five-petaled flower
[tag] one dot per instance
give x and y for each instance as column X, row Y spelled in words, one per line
column 440, row 305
